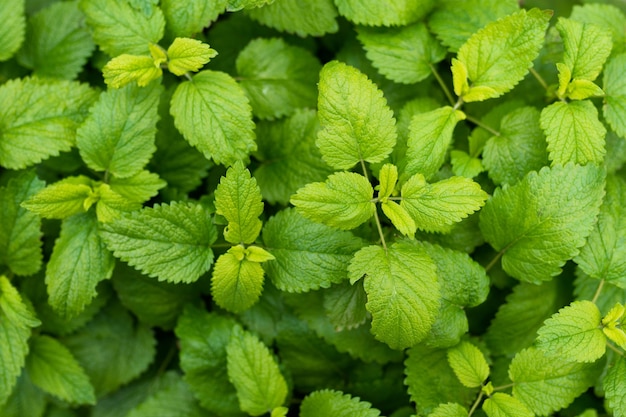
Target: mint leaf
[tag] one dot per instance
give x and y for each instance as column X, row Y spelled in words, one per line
column 344, row 201
column 606, row 16
column 293, row 16
column 344, row 305
column 15, row 324
column 139, row 188
column 111, row 204
column 357, row 124
column 373, row 13
column 52, row 368
column 468, row 364
column 615, row 387
column 302, row 265
column 255, row 374
column 237, row 282
column 573, row 132
column 185, row 54
column 465, row 165
column 13, row 31
column 119, row 28
column 277, row 77
column 498, row 56
column 212, row 101
column 402, row 291
column 20, row 235
column 400, row 218
column 169, row 241
column 614, row 87
column 42, row 119
column 405, row 54
column 540, row 222
column 118, row 135
column 190, row 17
column 65, row 198
column 335, row 403
column 25, row 400
column 125, row 69
column 72, row 285
column 504, row 405
column 238, row 199
column 449, row 410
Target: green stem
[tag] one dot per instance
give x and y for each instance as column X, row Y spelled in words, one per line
column 442, row 84
column 540, row 79
column 476, row 404
column 503, row 387
column 614, row 349
column 482, row 125
column 494, row 261
column 378, row 225
column 598, row 291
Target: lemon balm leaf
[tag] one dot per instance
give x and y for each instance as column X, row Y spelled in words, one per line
column 236, row 284
column 335, row 403
column 13, row 31
column 505, row 405
column 62, row 199
column 469, row 364
column 373, row 13
column 190, row 17
column 293, row 16
column 125, row 69
column 614, row 87
column 185, row 54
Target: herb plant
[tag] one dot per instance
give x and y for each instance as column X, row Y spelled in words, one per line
column 312, row 208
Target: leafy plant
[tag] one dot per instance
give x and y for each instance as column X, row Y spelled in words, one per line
column 313, row 208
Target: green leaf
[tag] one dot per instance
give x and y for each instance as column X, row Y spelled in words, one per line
column 20, row 235
column 277, row 77
column 213, row 102
column 57, row 42
column 504, row 405
column 65, row 198
column 357, row 123
column 614, row 385
column 72, row 285
column 41, row 120
column 305, row 264
column 255, row 374
column 344, row 201
column 12, row 32
column 469, row 364
column 606, row 16
column 430, row 135
column 465, row 165
column 237, row 283
column 118, row 28
column 294, row 16
column 449, row 410
column 614, row 87
column 26, row 400
column 402, row 291
column 374, row 13
column 171, row 242
column 236, row 5
column 498, row 56
column 239, row 200
column 546, row 384
column 404, row 54
column 337, row 404
column 400, row 218
column 16, row 320
column 111, row 204
column 573, row 132
column 118, row 135
column 574, row 333
column 203, row 339
column 53, row 369
column 540, row 222
column 185, row 54
column 344, row 305
column 387, row 178
column 125, row 69
column 139, row 188
column 436, row 206
column 190, row 17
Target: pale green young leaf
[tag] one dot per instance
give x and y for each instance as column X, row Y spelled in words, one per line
column 404, row 54
column 436, row 206
column 344, row 305
column 605, row 16
column 344, row 201
column 505, row 405
column 614, row 385
column 71, row 195
column 498, row 56
column 613, row 317
column 42, row 119
column 306, row 264
column 213, row 102
column 255, row 374
column 449, row 410
column 255, row 254
column 574, row 333
column 402, row 291
column 203, row 339
column 277, row 77
column 16, row 320
column 387, row 178
column 469, row 364
column 546, row 384
column 13, row 30
column 111, row 204
column 392, row 13
column 465, row 165
column 357, row 124
column 187, row 18
column 72, row 285
column 294, row 16
column 239, row 200
column 614, row 86
column 542, row 221
column 573, row 132
column 454, row 21
column 52, row 368
column 20, row 234
column 288, row 155
column 139, row 188
column 186, row 54
column 171, row 242
column 400, row 218
column 118, row 28
column 57, row 42
column 118, row 135
column 236, row 284
column 125, row 69
column 336, row 404
column 583, row 89
column 430, row 135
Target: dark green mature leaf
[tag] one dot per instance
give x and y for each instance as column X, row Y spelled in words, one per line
column 186, row 18
column 374, row 13
column 344, row 305
column 335, row 403
column 13, row 31
column 614, row 87
column 615, row 387
column 25, row 400
column 294, row 16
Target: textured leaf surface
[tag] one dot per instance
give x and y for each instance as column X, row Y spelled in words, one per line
column 344, row 305
column 72, row 195
column 138, row 188
column 125, row 69
column 335, row 403
column 614, row 86
column 504, row 405
column 468, row 364
column 294, row 16
column 25, row 400
column 374, row 13
column 615, row 387
column 190, row 17
column 540, row 222
column 449, row 410
column 237, row 283
column 185, row 54
column 12, row 32
column 213, row 102
column 357, row 124
column 606, row 16
column 171, row 242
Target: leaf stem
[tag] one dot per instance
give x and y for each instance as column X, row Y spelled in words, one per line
column 442, row 84
column 539, row 78
column 476, row 404
column 378, row 225
column 482, row 125
column 614, row 349
column 503, row 387
column 494, row 261
column 598, row 291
